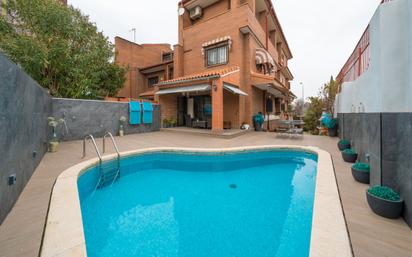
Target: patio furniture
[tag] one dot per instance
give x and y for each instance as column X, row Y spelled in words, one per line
column 188, row 121
column 199, row 124
column 290, row 127
column 209, row 123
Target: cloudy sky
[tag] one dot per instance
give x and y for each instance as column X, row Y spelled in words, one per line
column 321, row 33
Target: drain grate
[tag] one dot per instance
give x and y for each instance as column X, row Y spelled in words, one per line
column 233, row 186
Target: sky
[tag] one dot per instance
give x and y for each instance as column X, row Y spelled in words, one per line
column 321, row 33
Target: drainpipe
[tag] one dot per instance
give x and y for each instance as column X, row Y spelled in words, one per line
column 267, row 31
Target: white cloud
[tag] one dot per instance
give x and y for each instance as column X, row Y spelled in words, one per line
column 321, row 33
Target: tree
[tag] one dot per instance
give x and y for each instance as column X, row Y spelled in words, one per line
column 60, row 48
column 323, row 102
column 328, row 93
column 313, row 114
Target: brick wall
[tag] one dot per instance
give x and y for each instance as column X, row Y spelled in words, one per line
column 231, row 109
column 135, row 56
column 168, row 105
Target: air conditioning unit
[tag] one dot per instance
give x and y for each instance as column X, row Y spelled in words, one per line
column 196, row 13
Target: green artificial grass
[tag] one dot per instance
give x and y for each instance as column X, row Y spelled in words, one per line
column 344, row 142
column 361, row 166
column 349, row 151
column 384, row 193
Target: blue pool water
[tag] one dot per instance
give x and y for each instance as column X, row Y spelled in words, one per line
column 222, row 205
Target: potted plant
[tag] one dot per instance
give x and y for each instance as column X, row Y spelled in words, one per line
column 349, row 155
column 258, row 120
column 332, row 126
column 54, row 141
column 166, row 123
column 173, row 122
column 343, row 144
column 361, row 172
column 122, row 122
column 384, row 201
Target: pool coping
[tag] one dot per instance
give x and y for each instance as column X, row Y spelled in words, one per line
column 64, row 234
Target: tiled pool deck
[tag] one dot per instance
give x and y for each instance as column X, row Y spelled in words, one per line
column 21, row 232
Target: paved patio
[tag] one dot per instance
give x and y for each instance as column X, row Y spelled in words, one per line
column 371, row 235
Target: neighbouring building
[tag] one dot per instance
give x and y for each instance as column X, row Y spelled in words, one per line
column 374, row 102
column 148, row 64
column 230, row 63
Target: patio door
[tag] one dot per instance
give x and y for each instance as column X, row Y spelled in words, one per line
column 181, row 110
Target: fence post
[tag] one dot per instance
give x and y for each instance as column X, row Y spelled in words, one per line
column 360, row 61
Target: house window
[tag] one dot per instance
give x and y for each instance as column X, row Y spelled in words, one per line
column 152, row 81
column 167, row 57
column 217, row 55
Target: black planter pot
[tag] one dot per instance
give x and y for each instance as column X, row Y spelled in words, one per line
column 349, row 157
column 361, row 176
column 333, row 132
column 385, row 208
column 343, row 146
column 257, row 126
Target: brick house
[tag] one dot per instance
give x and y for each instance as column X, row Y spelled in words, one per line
column 147, row 65
column 230, row 63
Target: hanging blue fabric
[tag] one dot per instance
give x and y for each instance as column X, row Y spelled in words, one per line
column 135, row 113
column 147, row 113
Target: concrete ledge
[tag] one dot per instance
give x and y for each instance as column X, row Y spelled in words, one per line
column 64, row 234
column 226, row 134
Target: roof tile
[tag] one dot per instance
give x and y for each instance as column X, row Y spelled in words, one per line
column 201, row 75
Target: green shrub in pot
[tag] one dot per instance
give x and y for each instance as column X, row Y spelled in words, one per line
column 361, row 172
column 384, row 201
column 349, row 155
column 343, row 144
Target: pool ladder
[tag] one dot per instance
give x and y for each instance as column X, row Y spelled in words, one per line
column 108, row 173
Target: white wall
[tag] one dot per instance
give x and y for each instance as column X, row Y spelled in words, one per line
column 387, row 85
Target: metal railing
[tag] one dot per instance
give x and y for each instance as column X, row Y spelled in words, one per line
column 359, row 60
column 95, row 147
column 108, row 134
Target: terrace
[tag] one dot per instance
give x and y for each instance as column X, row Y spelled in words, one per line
column 29, row 226
column 21, row 233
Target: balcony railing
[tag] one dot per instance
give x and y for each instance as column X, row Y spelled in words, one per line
column 359, row 61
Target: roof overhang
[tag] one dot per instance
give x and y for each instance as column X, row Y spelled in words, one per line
column 155, row 68
column 202, row 3
column 185, row 89
column 286, row 71
column 205, row 76
column 270, row 89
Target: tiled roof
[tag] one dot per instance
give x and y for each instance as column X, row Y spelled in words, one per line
column 147, row 93
column 200, row 76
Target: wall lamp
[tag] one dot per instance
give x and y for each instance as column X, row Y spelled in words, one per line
column 214, row 87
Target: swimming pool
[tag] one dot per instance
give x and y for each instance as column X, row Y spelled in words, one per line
column 223, row 202
column 254, row 203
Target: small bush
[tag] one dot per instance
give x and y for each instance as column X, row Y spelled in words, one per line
column 349, row 151
column 344, row 142
column 331, row 124
column 384, row 193
column 361, row 166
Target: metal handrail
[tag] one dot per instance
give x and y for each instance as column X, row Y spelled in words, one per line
column 94, row 144
column 113, row 141
column 117, row 151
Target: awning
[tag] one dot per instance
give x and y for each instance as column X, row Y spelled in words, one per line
column 216, row 41
column 234, row 90
column 271, row 90
column 196, row 88
column 264, row 57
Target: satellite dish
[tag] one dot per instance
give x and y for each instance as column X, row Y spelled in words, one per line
column 181, row 11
